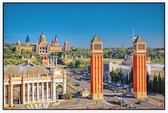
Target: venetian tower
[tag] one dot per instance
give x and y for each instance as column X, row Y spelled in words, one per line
column 96, row 68
column 139, row 68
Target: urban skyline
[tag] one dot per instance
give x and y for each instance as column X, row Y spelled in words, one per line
column 78, row 23
column 43, row 70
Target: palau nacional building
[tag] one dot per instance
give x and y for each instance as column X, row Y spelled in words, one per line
column 43, row 48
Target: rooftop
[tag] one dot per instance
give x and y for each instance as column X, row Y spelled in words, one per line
column 96, row 39
column 139, row 39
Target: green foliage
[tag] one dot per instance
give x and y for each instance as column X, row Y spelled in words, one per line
column 28, row 54
column 13, row 61
column 10, row 54
column 79, row 64
column 76, row 52
column 148, row 82
column 130, row 81
column 155, row 81
column 117, row 53
column 156, row 85
column 37, row 62
column 126, row 81
column 13, row 58
column 68, row 96
column 116, row 75
column 156, row 54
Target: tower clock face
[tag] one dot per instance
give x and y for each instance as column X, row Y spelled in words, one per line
column 97, row 46
column 141, row 47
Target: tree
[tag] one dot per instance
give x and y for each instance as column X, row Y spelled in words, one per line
column 126, row 79
column 115, row 75
column 163, row 86
column 68, row 96
column 120, row 74
column 148, row 88
column 155, row 83
column 159, row 84
column 77, row 64
column 130, row 81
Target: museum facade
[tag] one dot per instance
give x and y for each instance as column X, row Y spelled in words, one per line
column 27, row 83
column 42, row 47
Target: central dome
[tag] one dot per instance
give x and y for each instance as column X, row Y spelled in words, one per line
column 42, row 38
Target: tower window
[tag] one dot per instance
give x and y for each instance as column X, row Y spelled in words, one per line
column 97, row 46
column 90, row 47
column 134, row 47
column 141, row 47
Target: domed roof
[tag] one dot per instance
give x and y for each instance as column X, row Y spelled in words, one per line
column 18, row 42
column 56, row 39
column 42, row 38
column 65, row 43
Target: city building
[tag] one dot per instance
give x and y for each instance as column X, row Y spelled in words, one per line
column 139, row 68
column 107, row 69
column 109, row 66
column 42, row 47
column 155, row 70
column 128, row 60
column 152, row 68
column 27, row 83
column 96, row 68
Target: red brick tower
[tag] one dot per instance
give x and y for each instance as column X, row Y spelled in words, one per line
column 96, row 68
column 139, row 68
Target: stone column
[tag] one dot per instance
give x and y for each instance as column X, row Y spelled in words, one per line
column 42, row 90
column 23, row 93
column 37, row 91
column 32, row 92
column 10, row 94
column 27, row 92
column 47, row 90
column 64, row 83
column 56, row 62
column 48, row 61
column 53, row 62
column 53, row 90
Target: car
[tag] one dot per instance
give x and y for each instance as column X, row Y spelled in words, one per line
column 76, row 84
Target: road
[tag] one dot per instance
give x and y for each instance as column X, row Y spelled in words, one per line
column 151, row 103
column 85, row 84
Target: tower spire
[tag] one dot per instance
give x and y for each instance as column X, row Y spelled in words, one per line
column 133, row 33
column 27, row 38
column 132, row 38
